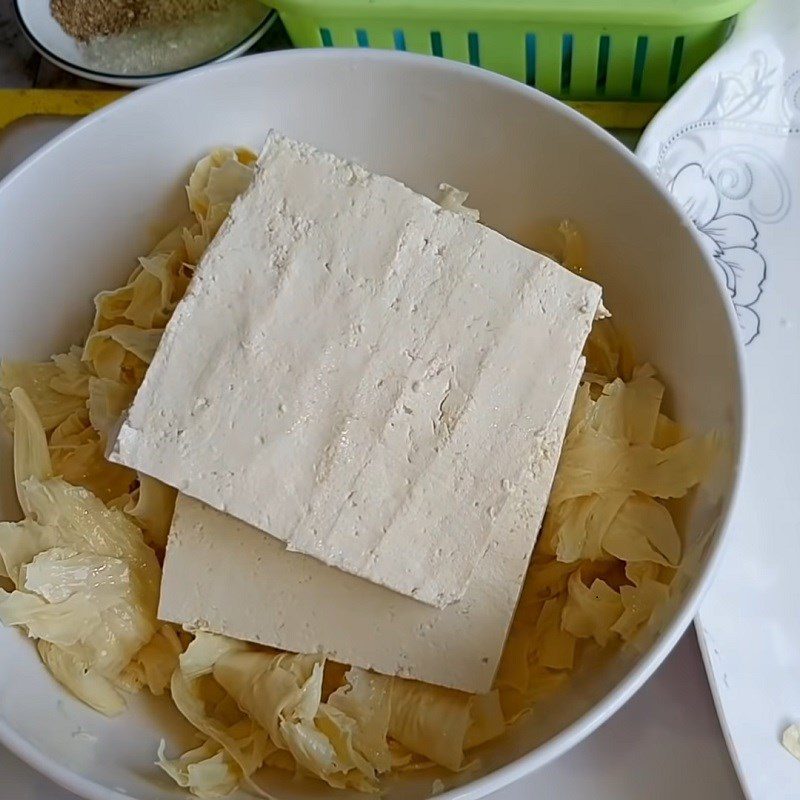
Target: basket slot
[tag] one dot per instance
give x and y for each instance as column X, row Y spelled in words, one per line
column 325, row 37
column 399, row 39
column 639, row 63
column 583, row 67
column 530, row 59
column 566, row 62
column 602, row 64
column 436, row 44
column 362, row 40
column 474, row 49
column 675, row 63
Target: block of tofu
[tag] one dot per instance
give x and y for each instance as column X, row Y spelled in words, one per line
column 226, row 577
column 360, row 373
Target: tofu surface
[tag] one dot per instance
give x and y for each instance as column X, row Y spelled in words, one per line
column 224, row 576
column 360, row 373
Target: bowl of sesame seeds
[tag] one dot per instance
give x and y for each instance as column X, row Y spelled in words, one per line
column 136, row 42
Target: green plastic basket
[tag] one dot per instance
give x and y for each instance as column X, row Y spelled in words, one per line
column 576, row 49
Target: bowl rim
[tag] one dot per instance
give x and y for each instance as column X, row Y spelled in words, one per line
column 133, row 81
column 658, row 650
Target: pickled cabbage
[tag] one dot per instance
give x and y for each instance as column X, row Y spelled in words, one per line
column 791, row 740
column 37, row 380
column 440, row 723
column 86, row 584
column 153, row 665
column 281, row 694
column 591, row 611
column 85, row 575
column 344, row 740
column 453, row 200
column 609, row 545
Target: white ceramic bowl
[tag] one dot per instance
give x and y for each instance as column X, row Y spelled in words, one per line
column 75, row 215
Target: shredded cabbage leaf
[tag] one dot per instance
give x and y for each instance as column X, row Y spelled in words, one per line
column 591, row 611
column 609, row 545
column 85, row 583
column 438, row 723
column 209, row 770
column 154, row 664
column 366, row 699
column 76, row 450
column 152, row 504
column 107, row 400
column 791, row 740
column 453, row 200
column 593, row 463
column 281, row 694
column 37, row 380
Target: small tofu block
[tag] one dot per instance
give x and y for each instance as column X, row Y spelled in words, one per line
column 360, row 373
column 223, row 576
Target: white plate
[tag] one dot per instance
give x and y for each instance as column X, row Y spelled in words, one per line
column 103, row 190
column 728, row 145
column 136, row 58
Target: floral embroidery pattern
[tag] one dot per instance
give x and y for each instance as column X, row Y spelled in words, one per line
column 730, row 239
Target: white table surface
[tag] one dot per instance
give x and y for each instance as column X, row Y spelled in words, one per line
column 665, row 744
